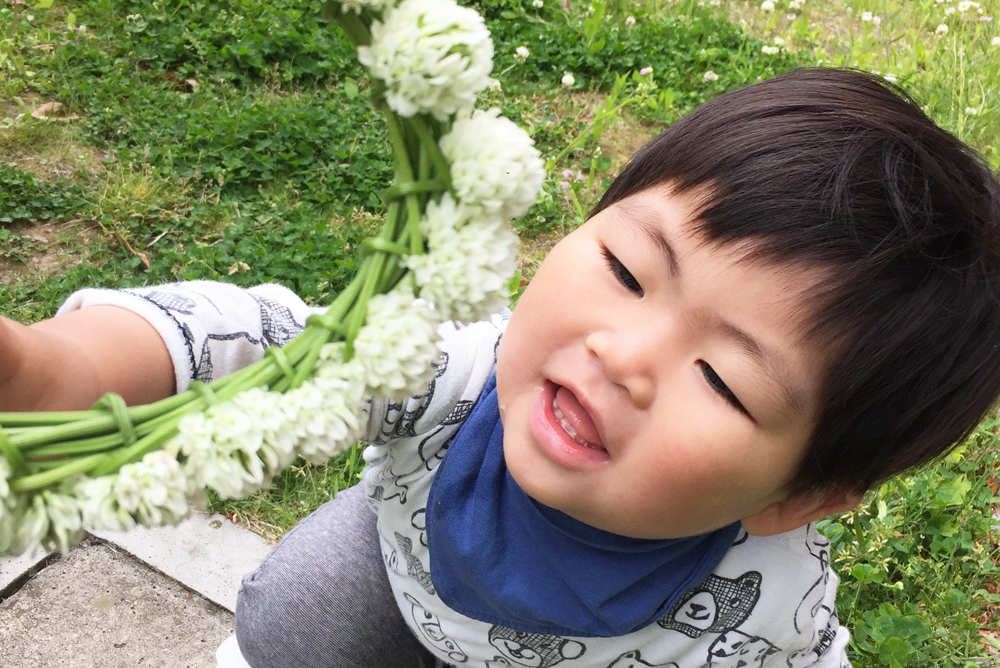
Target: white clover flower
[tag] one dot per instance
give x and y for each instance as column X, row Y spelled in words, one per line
column 328, row 409
column 767, row 6
column 941, row 30
column 51, row 520
column 99, row 505
column 795, row 4
column 65, row 523
column 779, row 41
column 521, row 54
column 495, row 86
column 790, row 17
column 32, row 527
column 537, row 4
column 568, row 80
column 891, row 78
column 469, row 262
column 996, row 41
column 357, row 5
column 7, row 504
column 630, row 21
column 495, row 168
column 866, row 16
column 711, row 76
column 949, row 11
column 397, row 345
column 770, row 50
column 432, row 55
column 972, row 111
column 153, row 491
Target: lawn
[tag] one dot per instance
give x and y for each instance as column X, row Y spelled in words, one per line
column 232, row 140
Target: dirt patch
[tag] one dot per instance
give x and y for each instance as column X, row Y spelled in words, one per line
column 532, row 252
column 49, row 149
column 62, row 245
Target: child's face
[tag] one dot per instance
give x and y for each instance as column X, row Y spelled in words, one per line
column 697, row 395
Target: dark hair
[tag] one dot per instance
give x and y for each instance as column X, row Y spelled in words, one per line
column 840, row 170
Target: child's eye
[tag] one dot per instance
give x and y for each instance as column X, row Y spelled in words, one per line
column 719, row 386
column 621, row 273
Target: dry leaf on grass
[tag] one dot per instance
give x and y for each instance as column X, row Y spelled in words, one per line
column 53, row 111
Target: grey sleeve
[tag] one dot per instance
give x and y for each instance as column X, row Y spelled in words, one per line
column 210, row 329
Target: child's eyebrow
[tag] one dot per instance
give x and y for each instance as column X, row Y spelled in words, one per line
column 772, row 363
column 638, row 216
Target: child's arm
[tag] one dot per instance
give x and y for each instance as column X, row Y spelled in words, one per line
column 70, row 361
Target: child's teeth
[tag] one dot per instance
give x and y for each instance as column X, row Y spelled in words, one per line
column 567, row 427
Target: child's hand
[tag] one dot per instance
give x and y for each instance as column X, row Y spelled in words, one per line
column 69, row 362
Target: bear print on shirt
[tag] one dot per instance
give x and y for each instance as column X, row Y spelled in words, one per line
column 717, row 604
column 534, row 650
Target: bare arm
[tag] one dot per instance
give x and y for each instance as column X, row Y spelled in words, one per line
column 68, row 362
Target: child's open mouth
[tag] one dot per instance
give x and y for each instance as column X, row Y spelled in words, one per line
column 565, row 429
column 575, row 421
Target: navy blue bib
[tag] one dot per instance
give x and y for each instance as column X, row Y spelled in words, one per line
column 498, row 556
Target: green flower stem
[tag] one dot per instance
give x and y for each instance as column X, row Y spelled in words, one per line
column 430, row 143
column 110, row 463
column 79, row 447
column 354, row 28
column 39, row 481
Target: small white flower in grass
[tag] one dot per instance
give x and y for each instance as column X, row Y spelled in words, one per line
column 521, row 54
column 770, row 50
column 891, row 78
column 941, row 30
column 795, row 4
column 949, row 11
column 469, row 262
column 495, row 167
column 711, row 76
column 537, row 4
column 630, row 21
column 972, row 111
column 866, row 17
column 790, row 17
column 397, row 345
column 779, row 41
column 966, row 5
column 568, row 80
column 432, row 55
column 767, row 6
column 877, row 20
column 996, row 41
column 357, row 5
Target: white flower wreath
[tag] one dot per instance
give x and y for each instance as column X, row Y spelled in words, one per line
column 446, row 252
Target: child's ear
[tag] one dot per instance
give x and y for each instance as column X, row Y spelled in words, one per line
column 799, row 510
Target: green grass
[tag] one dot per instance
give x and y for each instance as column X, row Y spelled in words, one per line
column 232, row 140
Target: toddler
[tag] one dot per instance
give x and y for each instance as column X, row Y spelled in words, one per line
column 786, row 297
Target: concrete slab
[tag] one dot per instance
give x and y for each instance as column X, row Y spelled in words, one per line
column 98, row 607
column 206, row 553
column 13, row 569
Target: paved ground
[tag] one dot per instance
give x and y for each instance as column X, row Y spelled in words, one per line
column 102, row 607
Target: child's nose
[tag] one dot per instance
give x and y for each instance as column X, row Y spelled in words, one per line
column 625, row 363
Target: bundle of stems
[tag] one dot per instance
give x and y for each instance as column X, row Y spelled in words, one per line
column 45, row 449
